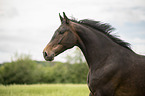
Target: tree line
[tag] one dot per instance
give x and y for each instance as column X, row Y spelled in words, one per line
column 23, row 70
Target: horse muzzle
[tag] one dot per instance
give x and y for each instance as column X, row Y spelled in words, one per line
column 48, row 57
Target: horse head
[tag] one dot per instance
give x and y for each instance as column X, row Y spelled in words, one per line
column 63, row 39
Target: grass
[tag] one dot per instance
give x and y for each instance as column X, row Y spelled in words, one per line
column 45, row 90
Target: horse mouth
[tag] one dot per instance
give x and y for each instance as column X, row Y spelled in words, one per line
column 49, row 58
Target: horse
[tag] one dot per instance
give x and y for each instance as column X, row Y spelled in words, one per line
column 114, row 68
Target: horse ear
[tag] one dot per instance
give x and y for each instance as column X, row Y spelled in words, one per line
column 61, row 19
column 65, row 18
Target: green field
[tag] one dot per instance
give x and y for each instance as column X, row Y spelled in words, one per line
column 45, row 90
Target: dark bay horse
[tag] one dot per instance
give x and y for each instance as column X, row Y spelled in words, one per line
column 114, row 69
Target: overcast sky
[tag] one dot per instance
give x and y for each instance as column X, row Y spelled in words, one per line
column 26, row 26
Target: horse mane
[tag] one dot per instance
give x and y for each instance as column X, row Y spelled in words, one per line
column 104, row 28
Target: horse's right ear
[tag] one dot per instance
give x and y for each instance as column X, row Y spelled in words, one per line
column 65, row 18
column 61, row 19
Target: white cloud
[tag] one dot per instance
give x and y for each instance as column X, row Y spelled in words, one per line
column 139, row 41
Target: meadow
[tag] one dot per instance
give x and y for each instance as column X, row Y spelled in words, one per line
column 45, row 90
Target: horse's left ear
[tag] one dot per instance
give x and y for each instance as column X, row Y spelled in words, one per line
column 61, row 19
column 65, row 18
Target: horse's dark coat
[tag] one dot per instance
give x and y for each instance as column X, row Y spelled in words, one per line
column 114, row 69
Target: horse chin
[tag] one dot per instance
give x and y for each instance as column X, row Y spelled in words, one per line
column 49, row 59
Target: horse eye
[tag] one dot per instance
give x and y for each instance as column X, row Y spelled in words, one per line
column 61, row 32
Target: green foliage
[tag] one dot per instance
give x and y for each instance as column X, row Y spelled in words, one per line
column 65, row 73
column 23, row 70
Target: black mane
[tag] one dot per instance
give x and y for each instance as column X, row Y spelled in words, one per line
column 104, row 28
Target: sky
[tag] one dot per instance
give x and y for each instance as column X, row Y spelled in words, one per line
column 26, row 26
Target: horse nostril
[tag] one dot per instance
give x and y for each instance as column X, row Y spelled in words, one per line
column 44, row 54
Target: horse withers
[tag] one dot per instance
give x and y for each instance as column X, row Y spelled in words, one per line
column 114, row 69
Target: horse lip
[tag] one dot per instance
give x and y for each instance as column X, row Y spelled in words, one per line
column 49, row 58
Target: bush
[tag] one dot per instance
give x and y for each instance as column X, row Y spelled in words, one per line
column 23, row 70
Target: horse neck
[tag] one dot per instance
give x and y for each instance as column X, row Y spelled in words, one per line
column 96, row 46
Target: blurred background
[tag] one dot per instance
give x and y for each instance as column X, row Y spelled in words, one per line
column 26, row 26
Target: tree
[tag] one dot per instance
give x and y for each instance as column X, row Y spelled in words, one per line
column 75, row 57
column 22, row 70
